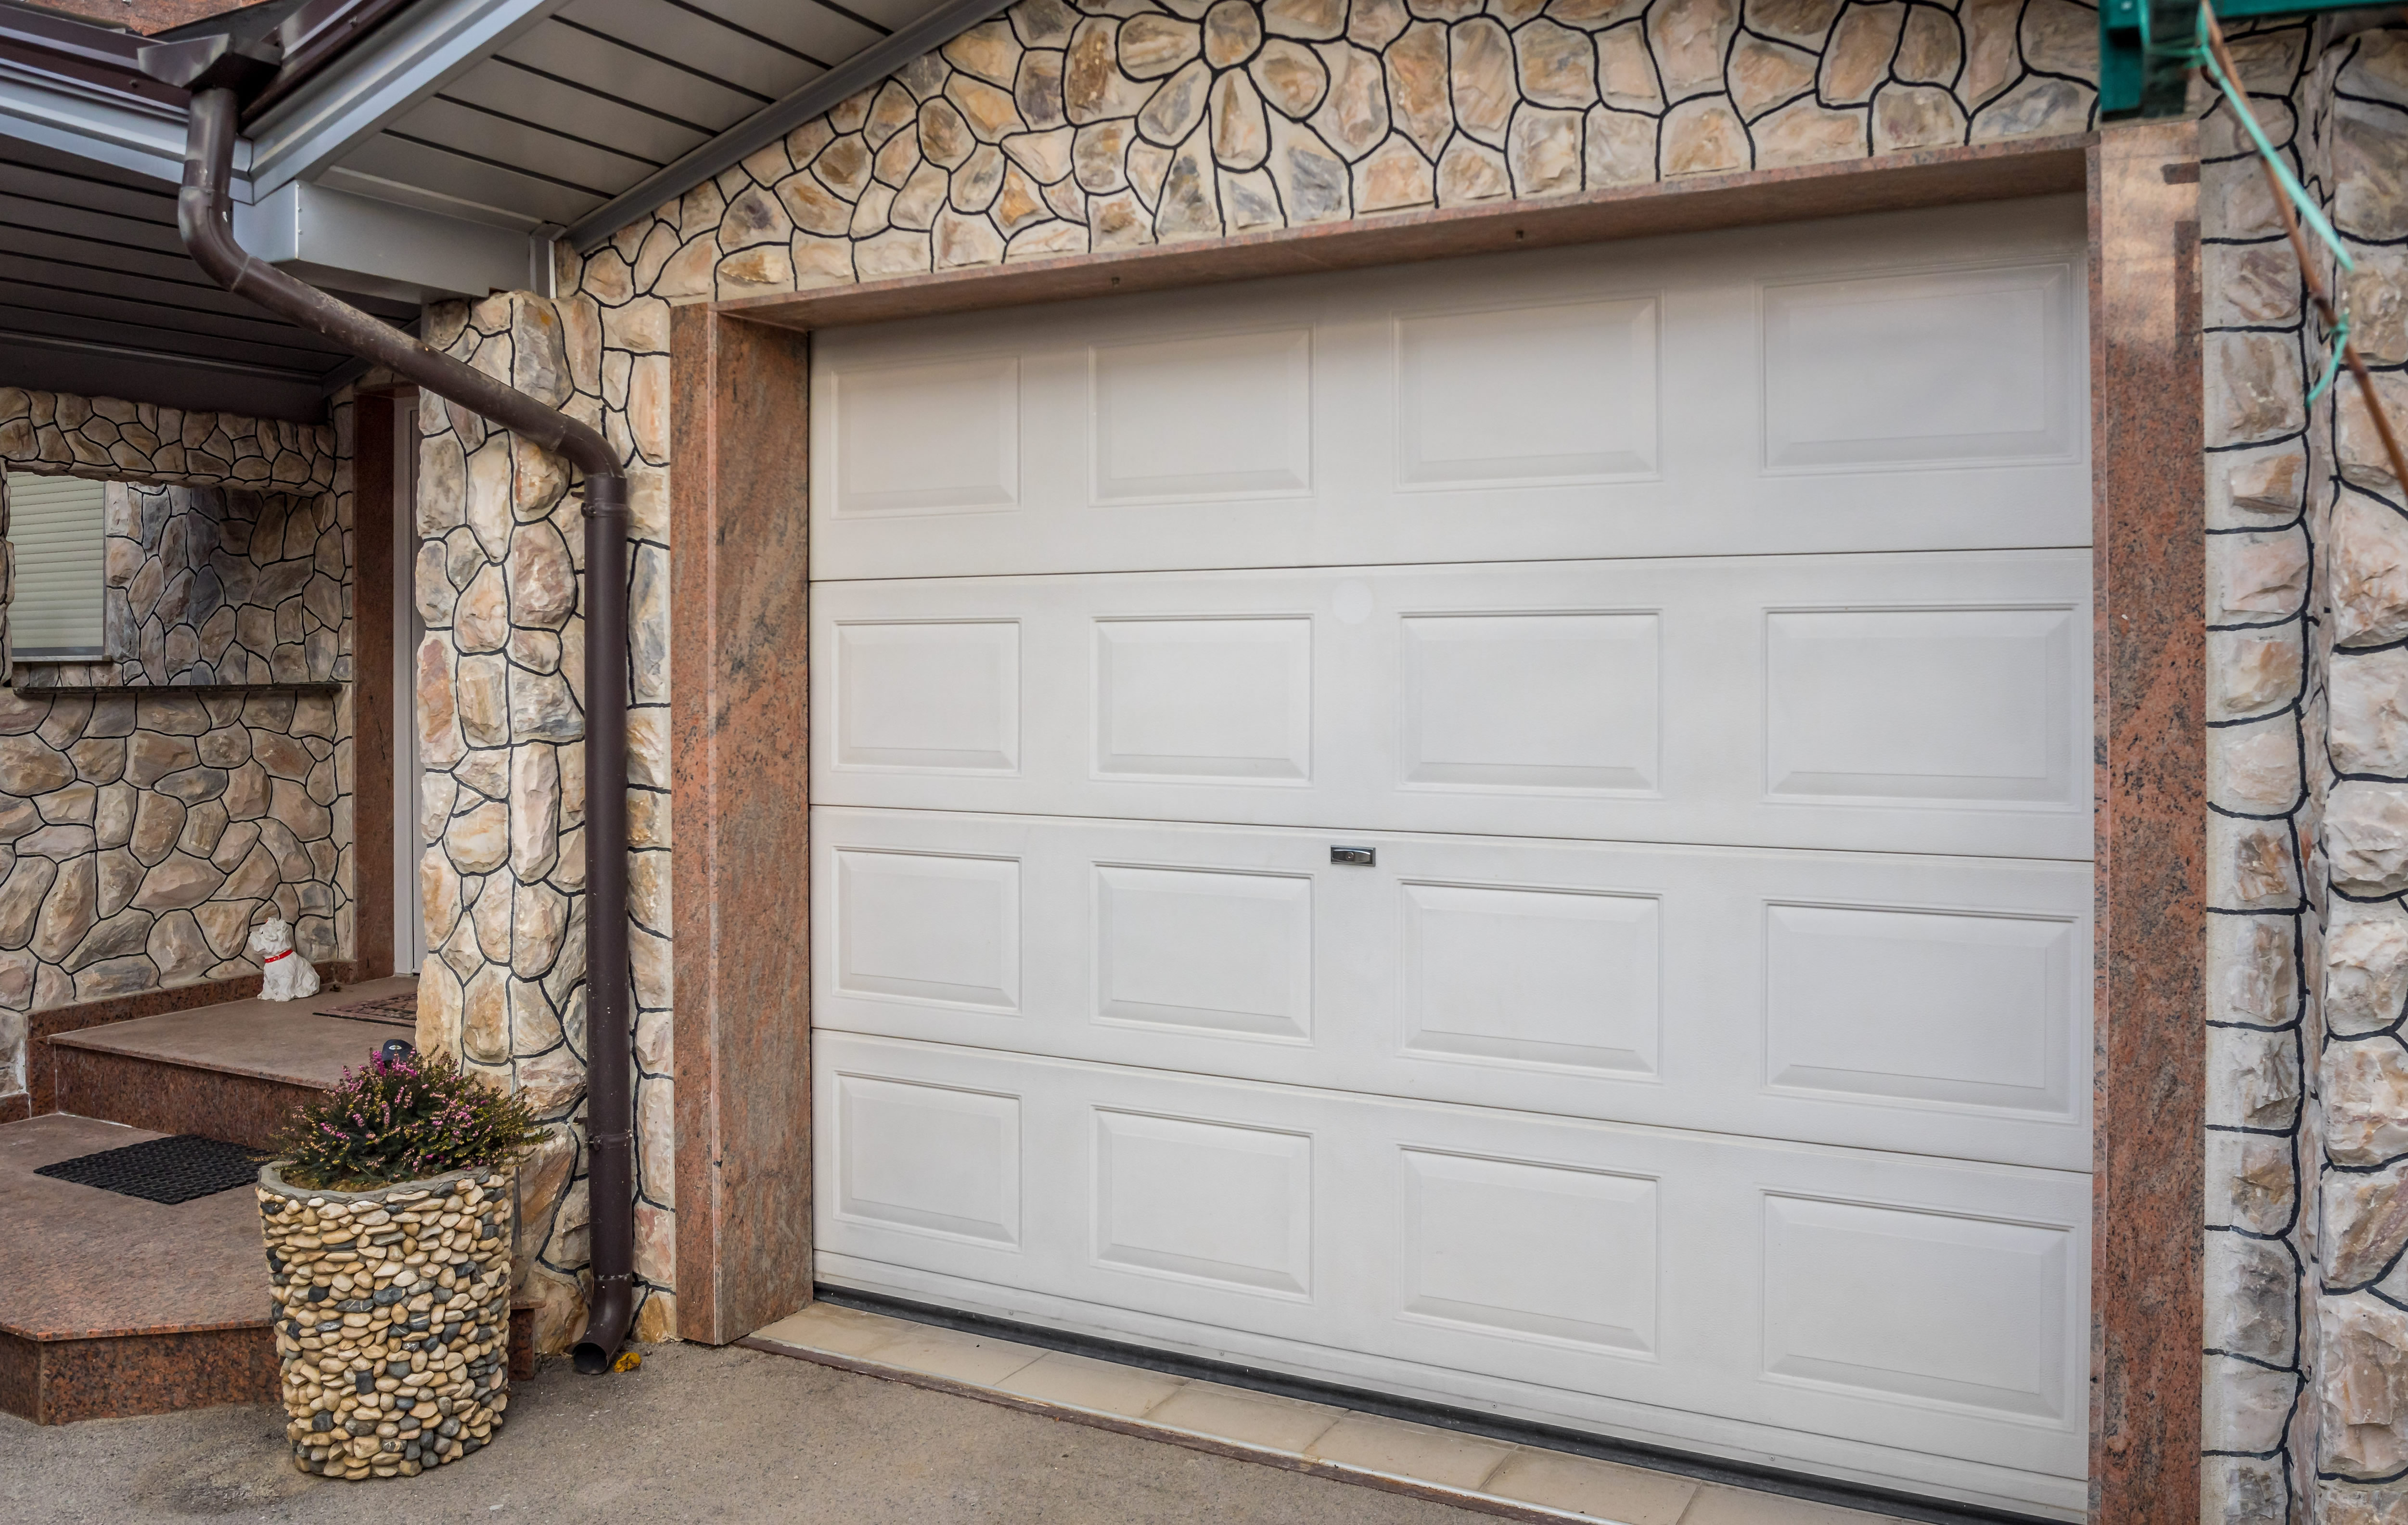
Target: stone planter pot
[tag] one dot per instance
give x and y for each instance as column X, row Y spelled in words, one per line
column 393, row 1312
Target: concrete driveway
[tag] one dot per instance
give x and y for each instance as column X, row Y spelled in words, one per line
column 696, row 1434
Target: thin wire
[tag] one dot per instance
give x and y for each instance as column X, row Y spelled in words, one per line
column 2336, row 321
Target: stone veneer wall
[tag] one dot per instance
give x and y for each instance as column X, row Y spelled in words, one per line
column 207, row 783
column 501, row 728
column 1056, row 130
column 2354, row 1222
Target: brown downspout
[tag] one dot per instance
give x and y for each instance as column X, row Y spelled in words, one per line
column 205, row 215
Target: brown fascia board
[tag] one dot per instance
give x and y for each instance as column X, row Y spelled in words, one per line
column 144, row 17
column 73, row 50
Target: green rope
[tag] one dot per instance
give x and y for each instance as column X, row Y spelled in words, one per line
column 2337, row 341
column 2198, row 54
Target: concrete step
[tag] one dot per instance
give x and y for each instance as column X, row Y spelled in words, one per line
column 232, row 1072
column 112, row 1306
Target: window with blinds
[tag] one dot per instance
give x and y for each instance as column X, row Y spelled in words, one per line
column 57, row 527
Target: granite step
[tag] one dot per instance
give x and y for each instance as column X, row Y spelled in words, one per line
column 232, row 1072
column 112, row 1306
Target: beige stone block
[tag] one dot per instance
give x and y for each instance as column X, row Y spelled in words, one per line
column 1151, row 46
column 1600, row 1489
column 2252, row 1182
column 2369, row 712
column 2360, row 451
column 1555, row 65
column 2369, row 559
column 1471, row 172
column 1805, row 22
column 1703, row 137
column 1177, row 105
column 2361, row 1386
column 972, row 1358
column 1764, row 74
column 1354, row 114
column 2251, row 865
column 1096, row 1386
column 1313, row 181
column 1445, row 1457
column 1543, row 152
column 1803, row 133
column 2364, row 1089
column 988, row 50
column 2253, row 1078
column 1915, row 117
column 838, row 1332
column 1244, row 1417
column 1690, row 41
column 1417, row 65
column 1241, row 133
column 1480, row 80
column 2255, row 390
column 2260, row 576
column 2366, row 838
column 2370, row 165
column 1394, row 176
column 1093, row 89
column 2255, row 770
column 1233, row 31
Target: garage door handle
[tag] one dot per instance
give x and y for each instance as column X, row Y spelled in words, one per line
column 1362, row 856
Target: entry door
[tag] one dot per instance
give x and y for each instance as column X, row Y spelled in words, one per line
column 1512, row 831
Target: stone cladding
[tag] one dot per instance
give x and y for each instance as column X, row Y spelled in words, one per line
column 1060, row 129
column 138, row 442
column 391, row 1313
column 206, row 586
column 155, row 805
column 2354, row 1151
column 501, row 738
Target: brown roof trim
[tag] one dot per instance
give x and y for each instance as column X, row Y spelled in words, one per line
column 96, row 55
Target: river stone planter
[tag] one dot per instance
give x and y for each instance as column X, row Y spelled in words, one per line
column 391, row 1311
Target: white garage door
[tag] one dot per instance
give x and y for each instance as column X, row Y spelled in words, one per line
column 1514, row 832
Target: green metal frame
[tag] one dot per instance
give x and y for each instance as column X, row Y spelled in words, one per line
column 2145, row 49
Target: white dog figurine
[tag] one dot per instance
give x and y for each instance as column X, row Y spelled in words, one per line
column 285, row 975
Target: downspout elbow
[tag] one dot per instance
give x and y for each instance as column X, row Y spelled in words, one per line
column 204, row 215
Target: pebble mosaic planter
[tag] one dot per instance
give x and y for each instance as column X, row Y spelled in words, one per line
column 391, row 1312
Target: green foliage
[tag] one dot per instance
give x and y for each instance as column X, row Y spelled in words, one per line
column 402, row 1119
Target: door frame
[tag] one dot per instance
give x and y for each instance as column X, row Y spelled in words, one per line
column 738, row 511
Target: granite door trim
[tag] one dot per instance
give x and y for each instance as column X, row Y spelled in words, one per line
column 739, row 504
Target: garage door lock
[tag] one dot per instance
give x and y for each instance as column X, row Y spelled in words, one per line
column 1362, row 856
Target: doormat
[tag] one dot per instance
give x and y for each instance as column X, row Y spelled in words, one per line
column 168, row 1171
column 388, row 1011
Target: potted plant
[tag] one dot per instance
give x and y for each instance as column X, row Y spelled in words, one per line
column 388, row 1216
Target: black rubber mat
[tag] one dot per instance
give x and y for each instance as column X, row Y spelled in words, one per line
column 168, row 1171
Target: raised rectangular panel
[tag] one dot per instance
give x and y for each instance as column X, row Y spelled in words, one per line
column 1542, row 1252
column 930, row 1159
column 1952, row 1008
column 1532, row 976
column 1220, row 698
column 934, row 438
column 1528, row 395
column 1559, row 703
column 1918, row 1305
column 1944, row 367
column 1221, row 953
column 928, row 695
column 1204, row 1202
column 922, row 927
column 1225, row 415
column 1921, row 704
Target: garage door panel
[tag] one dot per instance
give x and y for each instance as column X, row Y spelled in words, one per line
column 1865, row 1295
column 1929, row 1005
column 1515, row 831
column 1918, row 703
column 1877, row 383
